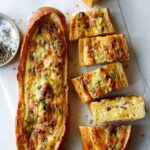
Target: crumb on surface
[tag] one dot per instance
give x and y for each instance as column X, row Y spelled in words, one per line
column 20, row 20
column 14, row 68
column 142, row 135
column 126, row 66
column 67, row 13
column 91, row 121
column 77, row 5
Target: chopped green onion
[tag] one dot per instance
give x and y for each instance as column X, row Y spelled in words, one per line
column 44, row 105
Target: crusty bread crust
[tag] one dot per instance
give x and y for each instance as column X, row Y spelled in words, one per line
column 86, row 142
column 35, row 20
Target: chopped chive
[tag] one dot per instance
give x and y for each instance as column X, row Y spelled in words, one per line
column 44, row 105
column 34, row 120
column 39, row 87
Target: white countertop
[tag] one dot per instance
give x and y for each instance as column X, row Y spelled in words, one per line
column 136, row 14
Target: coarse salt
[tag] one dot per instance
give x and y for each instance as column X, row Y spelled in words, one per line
column 8, row 41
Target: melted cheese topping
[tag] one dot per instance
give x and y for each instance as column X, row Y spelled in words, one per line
column 100, row 82
column 99, row 50
column 105, row 137
column 118, row 109
column 86, row 24
column 45, row 103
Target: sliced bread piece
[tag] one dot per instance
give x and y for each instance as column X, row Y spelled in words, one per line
column 105, row 137
column 90, row 23
column 118, row 109
column 100, row 82
column 100, row 50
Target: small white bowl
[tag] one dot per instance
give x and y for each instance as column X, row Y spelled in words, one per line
column 7, row 19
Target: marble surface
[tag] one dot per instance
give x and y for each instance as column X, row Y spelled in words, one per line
column 137, row 25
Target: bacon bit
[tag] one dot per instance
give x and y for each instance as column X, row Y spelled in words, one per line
column 108, row 108
column 113, row 130
column 57, row 64
column 51, row 108
column 38, row 67
column 40, row 131
column 86, row 25
column 103, row 70
column 85, row 81
column 47, row 92
column 122, row 140
column 52, row 124
column 31, row 110
column 102, row 28
column 112, row 45
column 44, row 119
column 50, row 27
column 107, row 77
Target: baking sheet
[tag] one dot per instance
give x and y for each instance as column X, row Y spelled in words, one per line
column 80, row 115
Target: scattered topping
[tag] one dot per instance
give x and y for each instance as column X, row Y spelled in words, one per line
column 86, row 25
column 51, row 27
column 81, row 14
column 39, row 87
column 44, row 105
column 142, row 135
column 47, row 92
column 77, row 5
column 34, row 120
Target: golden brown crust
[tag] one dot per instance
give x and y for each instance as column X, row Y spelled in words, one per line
column 102, row 137
column 35, row 20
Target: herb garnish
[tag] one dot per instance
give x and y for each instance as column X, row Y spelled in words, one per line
column 44, row 105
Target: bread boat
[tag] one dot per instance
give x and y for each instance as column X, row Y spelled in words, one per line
column 42, row 115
